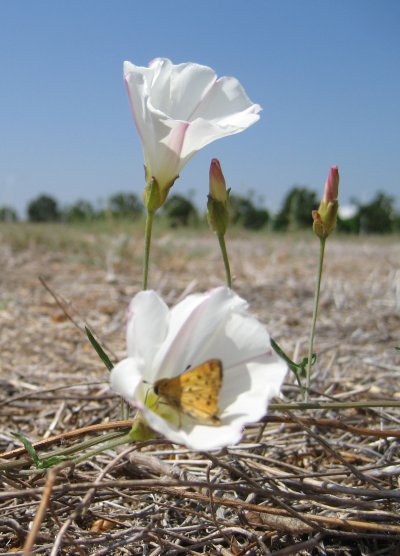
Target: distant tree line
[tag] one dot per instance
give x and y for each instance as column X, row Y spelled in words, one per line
column 378, row 216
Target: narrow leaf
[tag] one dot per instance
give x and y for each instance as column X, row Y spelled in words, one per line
column 28, row 447
column 299, row 369
column 45, row 463
column 99, row 350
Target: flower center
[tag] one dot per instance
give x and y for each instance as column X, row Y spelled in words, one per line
column 158, row 404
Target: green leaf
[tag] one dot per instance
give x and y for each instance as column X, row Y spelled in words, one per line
column 45, row 463
column 99, row 350
column 299, row 369
column 28, row 447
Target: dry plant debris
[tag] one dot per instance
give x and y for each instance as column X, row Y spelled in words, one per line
column 301, row 482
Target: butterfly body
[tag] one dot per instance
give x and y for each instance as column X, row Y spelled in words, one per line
column 194, row 392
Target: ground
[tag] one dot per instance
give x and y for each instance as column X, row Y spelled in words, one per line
column 304, row 481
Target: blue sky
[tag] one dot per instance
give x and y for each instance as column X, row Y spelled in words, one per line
column 326, row 73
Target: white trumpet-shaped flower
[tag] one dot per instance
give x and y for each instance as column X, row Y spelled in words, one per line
column 179, row 109
column 163, row 343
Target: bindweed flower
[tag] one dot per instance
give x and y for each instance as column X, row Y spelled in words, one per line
column 325, row 217
column 179, row 109
column 217, row 204
column 213, row 328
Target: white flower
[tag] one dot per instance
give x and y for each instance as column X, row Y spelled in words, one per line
column 178, row 109
column 163, row 343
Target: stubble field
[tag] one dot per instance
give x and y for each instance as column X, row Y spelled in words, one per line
column 304, row 481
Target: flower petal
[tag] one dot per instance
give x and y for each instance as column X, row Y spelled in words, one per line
column 126, row 378
column 162, row 161
column 225, row 99
column 178, row 109
column 193, row 325
column 247, row 389
column 241, row 339
column 196, row 437
column 136, row 79
column 202, row 132
column 147, row 328
column 178, row 90
column 225, row 110
column 165, row 160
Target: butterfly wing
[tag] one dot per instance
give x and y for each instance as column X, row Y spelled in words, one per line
column 170, row 390
column 200, row 388
column 195, row 392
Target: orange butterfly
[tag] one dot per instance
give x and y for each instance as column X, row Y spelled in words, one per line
column 195, row 392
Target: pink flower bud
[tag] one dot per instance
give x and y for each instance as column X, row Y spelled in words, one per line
column 324, row 219
column 218, row 200
column 218, row 190
column 332, row 185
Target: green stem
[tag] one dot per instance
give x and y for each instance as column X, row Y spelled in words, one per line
column 147, row 243
column 80, row 446
column 221, row 239
column 125, row 439
column 314, row 317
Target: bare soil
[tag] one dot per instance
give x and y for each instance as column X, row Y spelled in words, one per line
column 304, row 481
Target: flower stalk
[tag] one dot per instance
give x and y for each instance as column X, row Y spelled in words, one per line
column 147, row 246
column 221, row 240
column 324, row 222
column 119, row 441
column 314, row 316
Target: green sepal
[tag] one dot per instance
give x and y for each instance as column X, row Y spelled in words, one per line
column 217, row 215
column 155, row 196
column 151, row 196
column 140, row 431
column 324, row 219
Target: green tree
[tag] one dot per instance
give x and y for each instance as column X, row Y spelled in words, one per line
column 180, row 211
column 81, row 211
column 125, row 205
column 396, row 222
column 239, row 208
column 378, row 216
column 296, row 210
column 242, row 212
column 43, row 209
column 349, row 225
column 8, row 214
column 256, row 219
